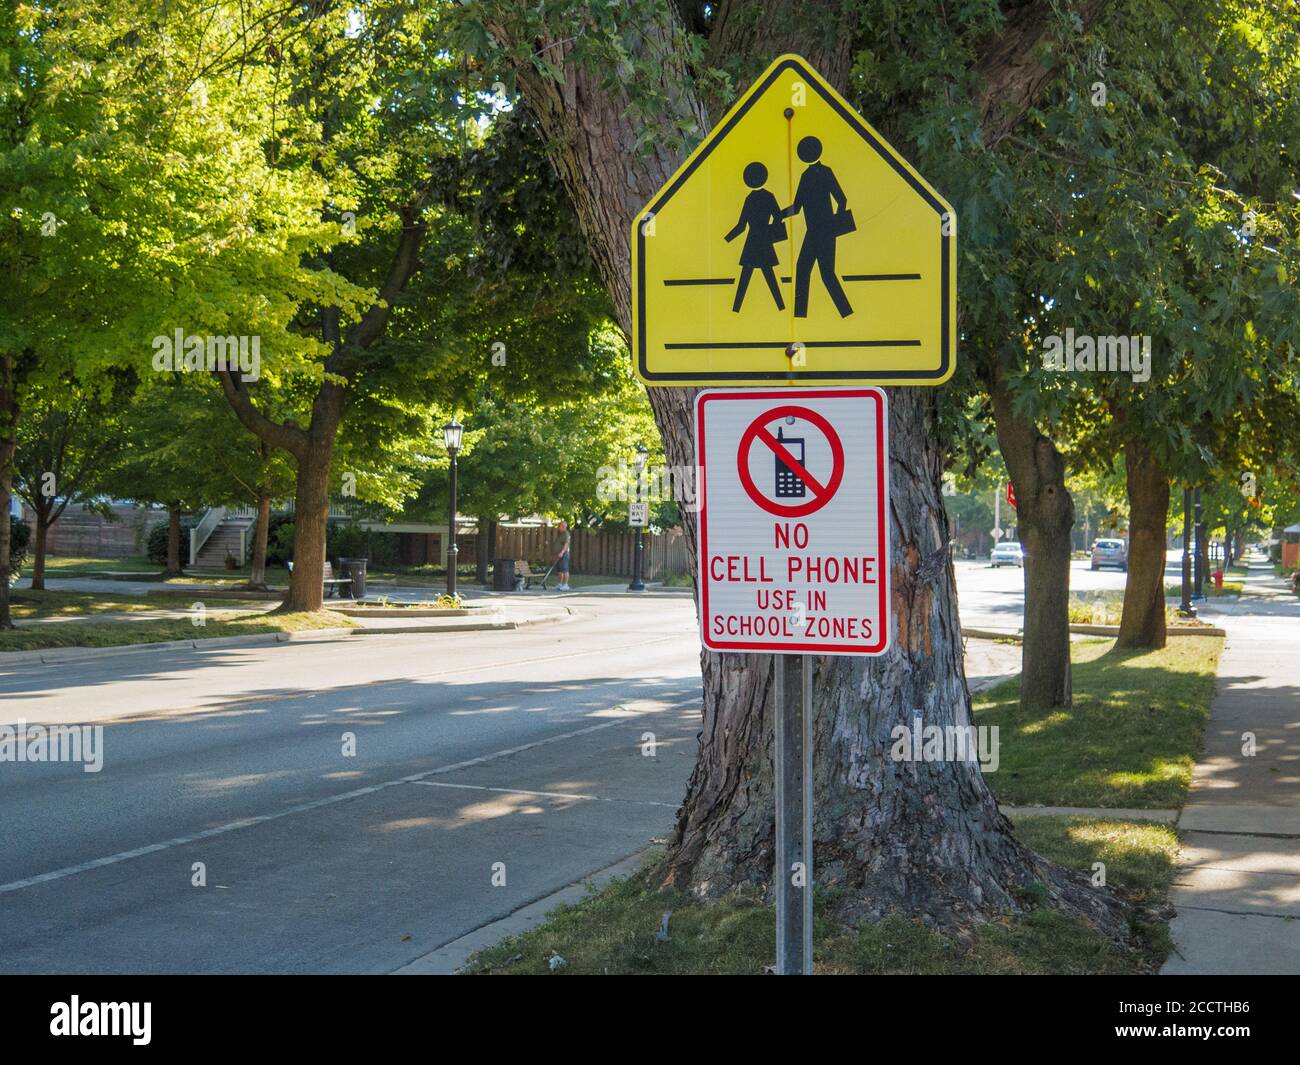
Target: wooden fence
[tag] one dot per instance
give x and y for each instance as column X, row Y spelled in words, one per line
column 602, row 554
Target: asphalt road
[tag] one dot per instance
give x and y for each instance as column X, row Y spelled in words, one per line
column 995, row 598
column 523, row 748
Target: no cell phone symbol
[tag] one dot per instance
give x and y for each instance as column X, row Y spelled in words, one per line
column 794, row 479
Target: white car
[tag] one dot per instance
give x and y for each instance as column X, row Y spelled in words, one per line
column 1007, row 555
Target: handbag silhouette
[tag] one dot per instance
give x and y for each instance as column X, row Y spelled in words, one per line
column 842, row 223
column 776, row 232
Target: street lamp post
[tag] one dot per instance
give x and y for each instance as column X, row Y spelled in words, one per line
column 638, row 546
column 451, row 433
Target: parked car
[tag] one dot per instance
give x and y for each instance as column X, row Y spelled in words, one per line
column 1007, row 555
column 1109, row 553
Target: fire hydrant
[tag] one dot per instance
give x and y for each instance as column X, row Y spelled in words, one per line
column 1218, row 578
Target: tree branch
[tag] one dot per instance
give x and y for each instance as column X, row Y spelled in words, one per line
column 406, row 260
column 289, row 437
column 1011, row 72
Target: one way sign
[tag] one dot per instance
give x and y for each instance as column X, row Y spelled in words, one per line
column 794, row 540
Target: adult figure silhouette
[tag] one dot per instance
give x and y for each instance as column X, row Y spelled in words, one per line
column 826, row 218
column 761, row 215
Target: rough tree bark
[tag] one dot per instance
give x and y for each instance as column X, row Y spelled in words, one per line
column 173, row 541
column 261, row 529
column 923, row 839
column 1143, row 623
column 1045, row 516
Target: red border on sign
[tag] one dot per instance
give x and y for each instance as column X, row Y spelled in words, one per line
column 882, row 481
column 822, row 494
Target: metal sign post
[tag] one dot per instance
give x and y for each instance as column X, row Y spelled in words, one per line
column 793, row 875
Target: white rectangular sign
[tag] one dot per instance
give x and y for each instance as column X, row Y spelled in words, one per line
column 638, row 514
column 794, row 520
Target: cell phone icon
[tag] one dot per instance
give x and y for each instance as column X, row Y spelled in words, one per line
column 788, row 483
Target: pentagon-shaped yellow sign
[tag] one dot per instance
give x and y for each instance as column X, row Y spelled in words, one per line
column 794, row 244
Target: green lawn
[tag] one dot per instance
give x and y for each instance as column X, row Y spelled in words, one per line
column 95, row 567
column 1130, row 739
column 25, row 603
column 613, row 930
column 122, row 633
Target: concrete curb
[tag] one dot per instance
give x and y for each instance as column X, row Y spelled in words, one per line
column 1170, row 630
column 413, row 612
column 683, row 594
column 1095, row 630
column 991, row 634
column 463, row 626
column 448, row 959
column 57, row 655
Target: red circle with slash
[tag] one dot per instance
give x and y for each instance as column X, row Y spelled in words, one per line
column 821, row 493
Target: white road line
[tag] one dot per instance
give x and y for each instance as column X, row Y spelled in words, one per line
column 306, row 807
column 544, row 794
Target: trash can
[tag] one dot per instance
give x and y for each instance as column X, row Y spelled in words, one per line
column 503, row 575
column 355, row 568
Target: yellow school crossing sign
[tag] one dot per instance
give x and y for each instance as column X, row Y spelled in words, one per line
column 794, row 244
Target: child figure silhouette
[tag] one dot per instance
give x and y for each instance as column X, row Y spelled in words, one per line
column 761, row 215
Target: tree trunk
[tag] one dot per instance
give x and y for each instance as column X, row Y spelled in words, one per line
column 1143, row 623
column 1044, row 517
column 916, row 838
column 8, row 445
column 257, row 567
column 311, row 523
column 38, row 549
column 173, row 541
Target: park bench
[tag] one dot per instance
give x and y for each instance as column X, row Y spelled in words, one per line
column 331, row 582
column 526, row 576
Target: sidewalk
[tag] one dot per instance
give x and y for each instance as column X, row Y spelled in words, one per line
column 1237, row 890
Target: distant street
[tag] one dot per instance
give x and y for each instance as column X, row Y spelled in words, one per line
column 995, row 598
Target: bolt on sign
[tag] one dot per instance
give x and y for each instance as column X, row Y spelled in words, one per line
column 793, row 519
column 794, row 244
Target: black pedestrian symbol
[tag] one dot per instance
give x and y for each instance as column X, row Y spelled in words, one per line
column 826, row 218
column 761, row 215
column 788, row 483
